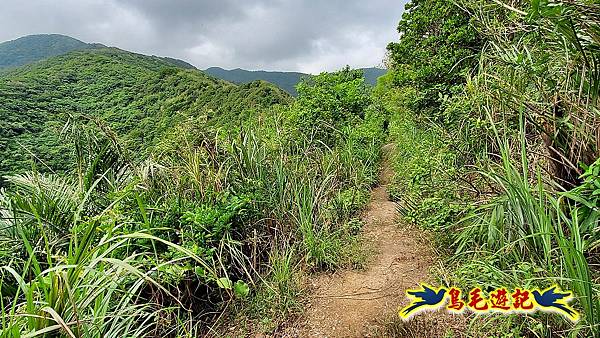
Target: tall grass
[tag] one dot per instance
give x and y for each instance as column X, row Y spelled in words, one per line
column 529, row 222
column 537, row 88
column 169, row 244
column 92, row 267
column 81, row 283
column 519, row 162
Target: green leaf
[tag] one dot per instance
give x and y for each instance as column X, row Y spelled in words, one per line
column 200, row 272
column 241, row 289
column 224, row 283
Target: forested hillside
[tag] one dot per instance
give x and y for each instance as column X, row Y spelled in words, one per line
column 32, row 48
column 139, row 97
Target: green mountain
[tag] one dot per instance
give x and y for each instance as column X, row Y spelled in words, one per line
column 372, row 74
column 284, row 80
column 139, row 97
column 34, row 48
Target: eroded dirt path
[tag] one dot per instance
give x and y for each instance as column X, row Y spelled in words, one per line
column 365, row 303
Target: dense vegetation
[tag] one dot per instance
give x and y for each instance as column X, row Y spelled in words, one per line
column 141, row 198
column 174, row 196
column 44, row 107
column 496, row 128
column 284, row 80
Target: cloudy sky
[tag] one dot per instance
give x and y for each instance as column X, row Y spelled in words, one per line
column 294, row 35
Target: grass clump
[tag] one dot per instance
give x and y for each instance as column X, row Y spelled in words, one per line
column 213, row 219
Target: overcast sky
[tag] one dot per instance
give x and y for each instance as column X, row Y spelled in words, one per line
column 293, row 35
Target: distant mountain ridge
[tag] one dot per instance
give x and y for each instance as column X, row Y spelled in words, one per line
column 33, row 48
column 372, row 74
column 284, row 80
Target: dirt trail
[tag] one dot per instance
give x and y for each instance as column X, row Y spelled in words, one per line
column 362, row 303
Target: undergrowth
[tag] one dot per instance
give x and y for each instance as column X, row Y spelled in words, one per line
column 216, row 223
column 500, row 165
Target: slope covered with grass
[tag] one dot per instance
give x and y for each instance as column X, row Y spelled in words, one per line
column 138, row 97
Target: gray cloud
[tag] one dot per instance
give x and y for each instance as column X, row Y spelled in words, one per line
column 308, row 35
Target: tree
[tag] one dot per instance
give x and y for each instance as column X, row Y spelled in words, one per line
column 333, row 98
column 437, row 48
